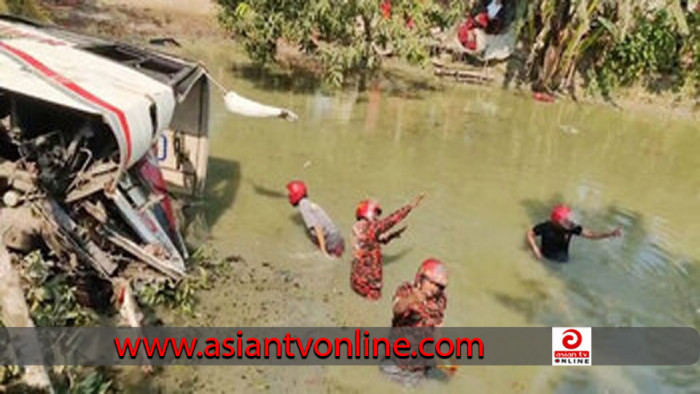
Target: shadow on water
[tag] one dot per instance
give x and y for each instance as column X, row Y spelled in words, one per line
column 296, row 80
column 531, row 306
column 267, row 192
column 406, row 84
column 224, row 178
column 297, row 220
column 638, row 281
column 392, row 258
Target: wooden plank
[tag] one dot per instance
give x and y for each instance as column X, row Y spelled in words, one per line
column 15, row 313
column 161, row 265
column 63, row 223
column 129, row 311
column 91, row 182
column 463, row 74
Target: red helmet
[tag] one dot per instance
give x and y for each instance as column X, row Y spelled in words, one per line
column 434, row 270
column 296, row 191
column 368, row 209
column 560, row 213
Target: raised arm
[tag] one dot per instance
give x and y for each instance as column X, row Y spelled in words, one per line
column 384, row 225
column 586, row 233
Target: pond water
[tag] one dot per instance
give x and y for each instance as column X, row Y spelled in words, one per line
column 492, row 164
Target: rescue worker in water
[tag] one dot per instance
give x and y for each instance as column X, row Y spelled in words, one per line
column 556, row 235
column 370, row 233
column 323, row 232
column 421, row 303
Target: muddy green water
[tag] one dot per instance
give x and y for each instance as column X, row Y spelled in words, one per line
column 492, row 164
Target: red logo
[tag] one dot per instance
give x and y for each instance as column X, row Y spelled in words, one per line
column 572, row 354
column 572, row 341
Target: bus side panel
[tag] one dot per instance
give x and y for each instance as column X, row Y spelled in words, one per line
column 183, row 150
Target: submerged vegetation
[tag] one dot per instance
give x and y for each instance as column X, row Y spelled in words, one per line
column 204, row 268
column 562, row 44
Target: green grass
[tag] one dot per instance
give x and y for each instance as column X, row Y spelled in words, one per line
column 31, row 9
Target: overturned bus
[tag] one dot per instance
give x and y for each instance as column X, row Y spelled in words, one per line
column 94, row 135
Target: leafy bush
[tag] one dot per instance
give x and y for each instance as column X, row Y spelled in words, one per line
column 182, row 296
column 612, row 43
column 31, row 9
column 51, row 298
column 81, row 380
column 344, row 39
column 653, row 49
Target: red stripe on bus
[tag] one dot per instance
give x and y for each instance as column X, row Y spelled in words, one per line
column 75, row 88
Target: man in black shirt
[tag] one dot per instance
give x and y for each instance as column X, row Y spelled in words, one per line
column 556, row 235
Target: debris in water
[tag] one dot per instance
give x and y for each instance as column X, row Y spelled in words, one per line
column 234, row 259
column 568, row 129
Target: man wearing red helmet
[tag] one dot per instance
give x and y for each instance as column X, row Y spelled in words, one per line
column 323, row 232
column 423, row 302
column 419, row 304
column 370, row 233
column 556, row 235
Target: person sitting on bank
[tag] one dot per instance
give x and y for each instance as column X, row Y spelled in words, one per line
column 488, row 17
column 324, row 233
column 556, row 235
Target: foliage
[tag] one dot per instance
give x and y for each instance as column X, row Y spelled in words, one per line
column 9, row 374
column 343, row 38
column 81, row 380
column 611, row 42
column 93, row 383
column 52, row 300
column 31, row 9
column 205, row 266
column 691, row 53
column 652, row 49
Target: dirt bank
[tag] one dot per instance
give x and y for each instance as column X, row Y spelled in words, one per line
column 138, row 21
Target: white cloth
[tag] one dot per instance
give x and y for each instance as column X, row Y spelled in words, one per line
column 493, row 8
